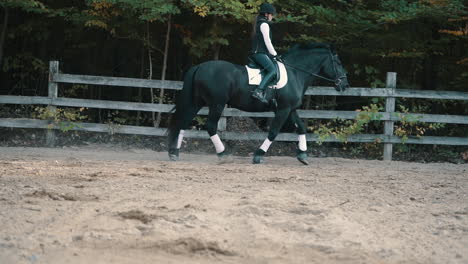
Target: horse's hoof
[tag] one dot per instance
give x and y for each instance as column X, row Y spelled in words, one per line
column 224, row 157
column 257, row 160
column 302, row 157
column 258, row 156
column 222, row 154
column 174, row 154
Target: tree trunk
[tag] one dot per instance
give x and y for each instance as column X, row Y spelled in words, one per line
column 164, row 68
column 142, row 74
column 217, row 49
column 2, row 36
column 150, row 74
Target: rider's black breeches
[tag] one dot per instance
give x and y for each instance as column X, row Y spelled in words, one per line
column 267, row 64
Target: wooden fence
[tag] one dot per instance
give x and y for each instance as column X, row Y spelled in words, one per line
column 389, row 117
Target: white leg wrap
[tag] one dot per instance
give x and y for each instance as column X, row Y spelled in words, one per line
column 302, row 142
column 266, row 144
column 217, row 143
column 179, row 140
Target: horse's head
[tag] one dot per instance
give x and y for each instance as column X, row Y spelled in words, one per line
column 333, row 69
column 319, row 60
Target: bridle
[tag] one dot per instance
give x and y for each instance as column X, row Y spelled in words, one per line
column 340, row 78
column 337, row 81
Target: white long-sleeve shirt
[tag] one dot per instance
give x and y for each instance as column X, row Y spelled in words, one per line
column 265, row 29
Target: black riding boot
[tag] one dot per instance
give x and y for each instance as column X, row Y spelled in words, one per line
column 259, row 93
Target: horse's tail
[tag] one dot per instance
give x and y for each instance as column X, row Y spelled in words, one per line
column 184, row 98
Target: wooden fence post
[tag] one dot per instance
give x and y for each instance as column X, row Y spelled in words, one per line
column 389, row 108
column 53, row 92
column 222, row 124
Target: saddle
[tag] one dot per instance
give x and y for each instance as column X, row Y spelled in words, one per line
column 253, row 65
column 255, row 74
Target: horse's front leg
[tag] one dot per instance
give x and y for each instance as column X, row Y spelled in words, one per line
column 278, row 121
column 301, row 131
column 215, row 112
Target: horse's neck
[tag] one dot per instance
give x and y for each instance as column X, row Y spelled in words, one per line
column 311, row 62
column 306, row 65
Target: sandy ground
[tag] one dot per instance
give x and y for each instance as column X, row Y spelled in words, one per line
column 98, row 204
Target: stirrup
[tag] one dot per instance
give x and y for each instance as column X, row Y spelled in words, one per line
column 260, row 96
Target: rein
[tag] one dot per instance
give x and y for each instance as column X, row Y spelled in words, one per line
column 336, row 81
column 313, row 74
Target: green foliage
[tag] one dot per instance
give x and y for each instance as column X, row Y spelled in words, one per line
column 410, row 124
column 399, row 11
column 200, row 121
column 240, row 11
column 167, row 98
column 25, row 5
column 25, row 69
column 202, row 44
column 342, row 129
column 394, row 32
column 217, row 24
column 75, row 90
column 116, row 117
column 64, row 119
column 149, row 10
column 369, row 74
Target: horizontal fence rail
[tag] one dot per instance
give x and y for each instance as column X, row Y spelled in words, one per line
column 228, row 112
column 115, row 81
column 153, row 131
column 388, row 117
column 318, row 90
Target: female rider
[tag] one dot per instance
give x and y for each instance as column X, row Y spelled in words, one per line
column 262, row 51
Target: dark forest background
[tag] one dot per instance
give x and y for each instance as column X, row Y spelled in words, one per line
column 424, row 41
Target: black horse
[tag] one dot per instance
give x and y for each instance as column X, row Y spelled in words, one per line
column 217, row 83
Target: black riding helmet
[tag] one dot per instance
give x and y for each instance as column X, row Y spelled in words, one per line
column 267, row 8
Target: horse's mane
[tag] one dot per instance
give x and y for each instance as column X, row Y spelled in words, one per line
column 309, row 46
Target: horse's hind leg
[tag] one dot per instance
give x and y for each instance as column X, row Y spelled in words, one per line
column 182, row 123
column 301, row 131
column 214, row 115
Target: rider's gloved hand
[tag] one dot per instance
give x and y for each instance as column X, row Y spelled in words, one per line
column 278, row 58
